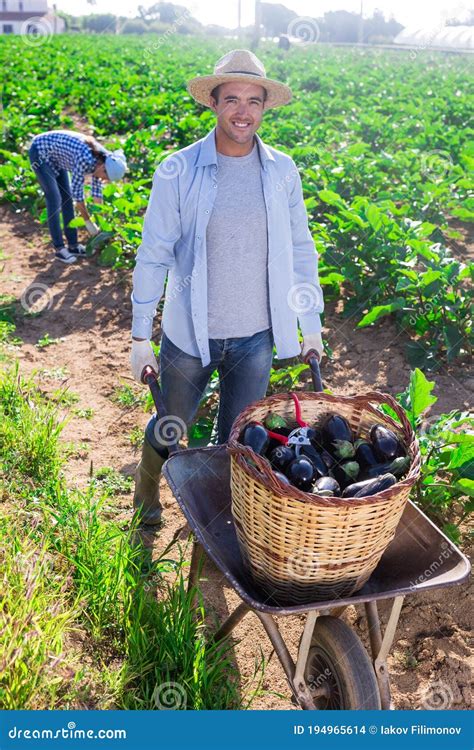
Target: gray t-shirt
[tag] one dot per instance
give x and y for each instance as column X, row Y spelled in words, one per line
column 237, row 250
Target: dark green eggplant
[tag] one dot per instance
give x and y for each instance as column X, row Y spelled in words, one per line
column 281, row 456
column 365, row 455
column 301, row 473
column 369, row 486
column 327, row 484
column 256, row 437
column 345, row 472
column 397, row 467
column 338, row 437
column 310, row 452
column 386, row 444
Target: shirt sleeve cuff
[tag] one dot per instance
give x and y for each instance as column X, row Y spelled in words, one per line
column 142, row 326
column 310, row 323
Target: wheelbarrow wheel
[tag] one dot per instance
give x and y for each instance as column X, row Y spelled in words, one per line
column 338, row 670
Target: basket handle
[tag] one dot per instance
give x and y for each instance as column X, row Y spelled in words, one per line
column 386, row 398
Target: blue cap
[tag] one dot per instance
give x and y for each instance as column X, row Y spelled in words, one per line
column 115, row 165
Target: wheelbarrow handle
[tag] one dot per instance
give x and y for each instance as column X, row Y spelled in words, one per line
column 312, row 358
column 150, row 378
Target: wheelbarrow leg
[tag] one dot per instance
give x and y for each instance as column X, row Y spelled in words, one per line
column 272, row 630
column 197, row 559
column 232, row 621
column 381, row 646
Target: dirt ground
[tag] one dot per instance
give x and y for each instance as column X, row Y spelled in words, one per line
column 88, row 308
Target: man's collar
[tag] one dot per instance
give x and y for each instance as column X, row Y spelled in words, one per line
column 208, row 155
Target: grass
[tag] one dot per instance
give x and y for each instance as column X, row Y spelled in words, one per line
column 87, row 621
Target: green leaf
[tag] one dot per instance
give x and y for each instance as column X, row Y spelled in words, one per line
column 419, row 394
column 331, row 198
column 380, row 311
column 466, row 486
column 374, row 217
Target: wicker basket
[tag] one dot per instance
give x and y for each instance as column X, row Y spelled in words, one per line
column 299, row 547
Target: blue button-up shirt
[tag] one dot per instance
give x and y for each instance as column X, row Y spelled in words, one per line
column 65, row 149
column 174, row 246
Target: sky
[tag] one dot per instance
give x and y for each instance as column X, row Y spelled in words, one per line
column 224, row 12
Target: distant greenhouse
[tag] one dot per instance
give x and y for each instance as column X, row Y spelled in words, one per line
column 447, row 37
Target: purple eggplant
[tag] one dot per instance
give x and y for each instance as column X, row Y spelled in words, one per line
column 327, row 484
column 369, row 486
column 301, row 473
column 310, row 452
column 397, row 467
column 281, row 456
column 282, row 477
column 345, row 472
column 256, row 437
column 338, row 437
column 365, row 455
column 386, row 444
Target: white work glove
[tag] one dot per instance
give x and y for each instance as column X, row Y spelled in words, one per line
column 312, row 341
column 142, row 355
column 92, row 228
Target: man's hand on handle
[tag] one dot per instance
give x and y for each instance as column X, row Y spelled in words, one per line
column 142, row 355
column 312, row 341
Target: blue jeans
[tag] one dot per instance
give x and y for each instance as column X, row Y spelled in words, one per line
column 57, row 192
column 244, row 365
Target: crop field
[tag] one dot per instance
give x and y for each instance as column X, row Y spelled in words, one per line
column 383, row 141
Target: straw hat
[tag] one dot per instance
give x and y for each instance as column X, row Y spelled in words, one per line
column 243, row 66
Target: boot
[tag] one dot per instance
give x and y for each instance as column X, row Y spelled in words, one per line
column 146, row 498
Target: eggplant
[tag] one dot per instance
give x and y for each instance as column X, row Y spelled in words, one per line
column 256, row 437
column 397, row 467
column 301, row 473
column 345, row 472
column 338, row 437
column 365, row 455
column 281, row 456
column 369, row 486
column 282, row 477
column 327, row 484
column 386, row 444
column 273, row 421
column 310, row 452
column 329, row 460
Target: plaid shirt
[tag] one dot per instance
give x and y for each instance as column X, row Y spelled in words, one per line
column 63, row 149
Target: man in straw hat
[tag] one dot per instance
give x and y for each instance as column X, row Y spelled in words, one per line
column 227, row 224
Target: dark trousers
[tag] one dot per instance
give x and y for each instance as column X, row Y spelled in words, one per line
column 57, row 192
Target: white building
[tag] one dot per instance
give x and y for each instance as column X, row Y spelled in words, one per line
column 31, row 17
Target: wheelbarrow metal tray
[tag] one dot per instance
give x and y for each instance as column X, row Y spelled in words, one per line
column 419, row 557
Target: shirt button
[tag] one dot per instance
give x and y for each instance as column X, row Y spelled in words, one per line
column 215, row 184
column 198, row 236
column 207, row 210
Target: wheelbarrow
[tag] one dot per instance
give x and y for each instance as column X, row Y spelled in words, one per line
column 333, row 669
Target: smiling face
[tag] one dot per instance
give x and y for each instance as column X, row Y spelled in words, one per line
column 239, row 110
